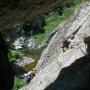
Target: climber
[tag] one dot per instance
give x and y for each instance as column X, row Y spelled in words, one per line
column 71, row 41
column 65, row 45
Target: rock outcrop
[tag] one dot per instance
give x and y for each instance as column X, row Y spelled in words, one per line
column 58, row 70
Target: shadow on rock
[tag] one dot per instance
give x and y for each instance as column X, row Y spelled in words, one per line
column 76, row 76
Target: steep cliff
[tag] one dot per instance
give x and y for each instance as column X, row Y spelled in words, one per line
column 58, row 70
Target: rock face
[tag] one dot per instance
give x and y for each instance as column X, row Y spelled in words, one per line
column 25, row 61
column 58, row 70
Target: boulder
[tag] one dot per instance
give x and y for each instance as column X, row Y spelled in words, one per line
column 32, row 43
column 24, row 61
column 18, row 43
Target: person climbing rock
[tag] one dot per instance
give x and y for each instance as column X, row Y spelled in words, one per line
column 65, row 45
column 72, row 41
column 69, row 43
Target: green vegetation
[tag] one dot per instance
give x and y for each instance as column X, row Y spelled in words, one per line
column 52, row 21
column 13, row 55
column 34, row 27
column 30, row 52
column 18, row 83
column 68, row 11
column 54, row 18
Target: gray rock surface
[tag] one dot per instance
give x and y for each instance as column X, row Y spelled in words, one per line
column 18, row 43
column 23, row 42
column 68, row 70
column 24, row 61
column 32, row 43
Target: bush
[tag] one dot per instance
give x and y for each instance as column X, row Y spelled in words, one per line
column 34, row 27
column 18, row 83
column 52, row 21
column 68, row 11
column 13, row 55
